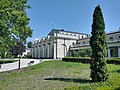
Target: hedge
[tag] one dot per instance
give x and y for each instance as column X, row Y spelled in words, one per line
column 112, row 60
column 7, row 61
column 86, row 60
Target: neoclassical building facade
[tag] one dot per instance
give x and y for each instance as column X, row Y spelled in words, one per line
column 56, row 45
column 60, row 43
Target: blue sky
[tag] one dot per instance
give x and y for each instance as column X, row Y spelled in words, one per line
column 71, row 15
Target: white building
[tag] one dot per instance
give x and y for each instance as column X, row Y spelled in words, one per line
column 60, row 43
column 56, row 44
column 113, row 40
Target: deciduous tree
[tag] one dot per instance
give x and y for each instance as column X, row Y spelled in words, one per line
column 13, row 22
column 29, row 44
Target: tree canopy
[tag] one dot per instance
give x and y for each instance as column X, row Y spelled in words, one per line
column 29, row 44
column 13, row 23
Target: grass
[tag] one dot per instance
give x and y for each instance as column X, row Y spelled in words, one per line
column 56, row 75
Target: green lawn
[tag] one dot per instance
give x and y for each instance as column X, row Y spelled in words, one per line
column 56, row 75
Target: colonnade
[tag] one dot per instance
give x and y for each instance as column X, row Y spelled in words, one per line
column 44, row 51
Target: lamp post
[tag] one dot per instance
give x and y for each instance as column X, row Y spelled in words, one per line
column 20, row 51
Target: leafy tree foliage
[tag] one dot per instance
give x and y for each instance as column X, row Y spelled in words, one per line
column 29, row 44
column 74, row 53
column 82, row 53
column 13, row 23
column 99, row 47
column 17, row 49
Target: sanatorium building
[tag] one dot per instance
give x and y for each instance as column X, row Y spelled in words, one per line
column 60, row 43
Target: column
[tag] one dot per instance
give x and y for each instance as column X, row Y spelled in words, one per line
column 32, row 52
column 118, row 51
column 47, row 50
column 54, row 50
column 35, row 52
column 43, row 50
column 50, row 51
column 38, row 51
column 109, row 52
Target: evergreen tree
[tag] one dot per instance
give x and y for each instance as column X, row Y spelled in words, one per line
column 99, row 47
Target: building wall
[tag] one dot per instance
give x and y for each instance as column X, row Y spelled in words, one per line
column 56, row 44
column 59, row 43
column 63, row 47
column 113, row 40
column 113, row 37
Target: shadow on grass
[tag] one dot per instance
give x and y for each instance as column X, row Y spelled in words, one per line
column 69, row 80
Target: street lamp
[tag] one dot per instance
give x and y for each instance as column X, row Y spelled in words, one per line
column 20, row 50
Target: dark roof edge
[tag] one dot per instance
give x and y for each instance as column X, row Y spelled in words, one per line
column 68, row 31
column 113, row 32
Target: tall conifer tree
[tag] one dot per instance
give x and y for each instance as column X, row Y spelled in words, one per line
column 99, row 47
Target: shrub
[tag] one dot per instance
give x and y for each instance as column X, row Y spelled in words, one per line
column 87, row 60
column 113, row 60
column 77, row 59
column 7, row 61
column 82, row 53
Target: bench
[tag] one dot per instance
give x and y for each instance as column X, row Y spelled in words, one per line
column 31, row 62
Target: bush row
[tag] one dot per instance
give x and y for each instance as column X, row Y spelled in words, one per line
column 86, row 60
column 6, row 61
column 77, row 59
column 112, row 60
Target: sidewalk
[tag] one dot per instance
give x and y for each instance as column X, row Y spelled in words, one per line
column 24, row 63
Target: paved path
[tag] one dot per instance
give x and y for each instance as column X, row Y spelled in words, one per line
column 24, row 63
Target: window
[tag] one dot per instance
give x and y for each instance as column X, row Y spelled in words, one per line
column 77, row 42
column 111, row 38
column 88, row 35
column 119, row 36
column 73, row 43
column 83, row 42
column 82, row 36
column 67, row 34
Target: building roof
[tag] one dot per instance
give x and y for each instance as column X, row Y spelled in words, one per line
column 118, row 31
column 57, row 31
